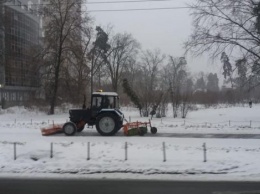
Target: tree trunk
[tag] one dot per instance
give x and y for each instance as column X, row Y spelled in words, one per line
column 92, row 74
column 114, row 84
column 56, row 82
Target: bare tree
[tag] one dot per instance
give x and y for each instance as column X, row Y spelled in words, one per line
column 226, row 26
column 76, row 71
column 186, row 93
column 124, row 48
column 162, row 95
column 151, row 63
column 63, row 22
column 176, row 73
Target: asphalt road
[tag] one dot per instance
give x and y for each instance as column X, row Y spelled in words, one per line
column 197, row 135
column 181, row 135
column 60, row 186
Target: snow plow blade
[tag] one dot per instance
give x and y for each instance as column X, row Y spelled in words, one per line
column 53, row 129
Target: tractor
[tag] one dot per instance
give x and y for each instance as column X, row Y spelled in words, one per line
column 103, row 112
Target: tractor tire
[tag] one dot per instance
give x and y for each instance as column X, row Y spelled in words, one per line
column 107, row 124
column 69, row 128
column 153, row 130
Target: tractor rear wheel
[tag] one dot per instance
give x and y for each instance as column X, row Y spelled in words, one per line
column 69, row 128
column 107, row 124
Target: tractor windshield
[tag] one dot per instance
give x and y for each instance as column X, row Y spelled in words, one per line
column 105, row 101
column 112, row 101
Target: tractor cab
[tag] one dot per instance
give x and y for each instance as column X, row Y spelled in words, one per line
column 104, row 100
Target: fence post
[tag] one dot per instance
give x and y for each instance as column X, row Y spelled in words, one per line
column 51, row 154
column 126, row 151
column 205, row 152
column 164, row 152
column 14, row 150
column 129, row 119
column 88, row 151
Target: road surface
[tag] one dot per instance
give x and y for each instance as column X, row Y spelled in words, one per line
column 80, row 186
column 182, row 135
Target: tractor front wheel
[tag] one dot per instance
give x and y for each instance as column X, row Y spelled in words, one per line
column 107, row 124
column 69, row 128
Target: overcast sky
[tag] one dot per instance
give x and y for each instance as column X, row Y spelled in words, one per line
column 163, row 29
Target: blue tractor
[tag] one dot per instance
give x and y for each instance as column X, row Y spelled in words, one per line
column 103, row 112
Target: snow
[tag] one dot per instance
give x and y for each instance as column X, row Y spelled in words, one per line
column 227, row 159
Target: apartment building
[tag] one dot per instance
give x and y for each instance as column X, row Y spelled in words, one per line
column 20, row 35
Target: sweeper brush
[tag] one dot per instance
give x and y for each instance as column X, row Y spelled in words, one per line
column 51, row 129
column 138, row 128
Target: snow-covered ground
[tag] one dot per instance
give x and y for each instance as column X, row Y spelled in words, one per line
column 227, row 159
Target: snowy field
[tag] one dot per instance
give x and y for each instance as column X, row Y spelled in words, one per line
column 227, row 159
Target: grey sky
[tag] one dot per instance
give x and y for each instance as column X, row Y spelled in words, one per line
column 163, row 29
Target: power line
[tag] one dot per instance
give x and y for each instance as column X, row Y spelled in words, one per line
column 103, row 2
column 139, row 9
column 134, row 1
column 128, row 10
column 135, row 9
column 132, row 9
column 152, row 9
